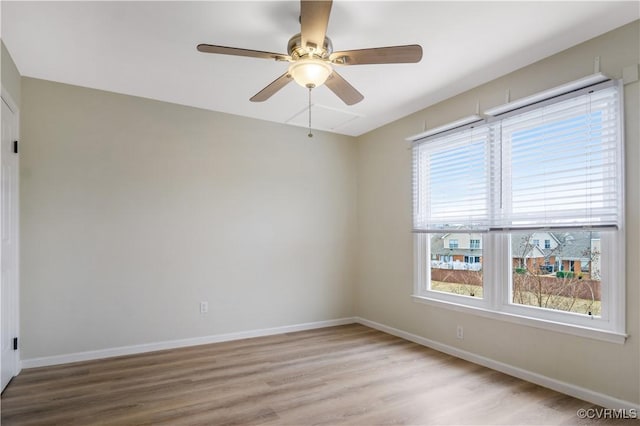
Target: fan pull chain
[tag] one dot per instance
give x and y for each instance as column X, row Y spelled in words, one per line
column 310, row 134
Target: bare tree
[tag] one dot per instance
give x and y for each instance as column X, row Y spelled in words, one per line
column 532, row 284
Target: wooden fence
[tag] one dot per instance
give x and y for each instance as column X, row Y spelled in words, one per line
column 568, row 287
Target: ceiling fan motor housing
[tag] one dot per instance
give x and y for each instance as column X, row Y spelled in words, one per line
column 297, row 51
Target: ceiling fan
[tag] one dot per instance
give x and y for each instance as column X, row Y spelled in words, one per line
column 312, row 58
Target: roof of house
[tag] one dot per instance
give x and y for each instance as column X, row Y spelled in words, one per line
column 575, row 245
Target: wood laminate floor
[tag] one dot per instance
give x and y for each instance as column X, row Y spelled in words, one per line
column 347, row 375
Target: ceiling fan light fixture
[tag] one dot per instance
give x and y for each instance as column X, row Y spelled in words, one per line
column 310, row 73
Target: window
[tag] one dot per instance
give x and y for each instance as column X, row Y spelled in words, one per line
column 550, row 172
column 444, row 258
column 459, row 274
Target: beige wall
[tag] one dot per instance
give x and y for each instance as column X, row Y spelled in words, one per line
column 133, row 211
column 9, row 74
column 385, row 250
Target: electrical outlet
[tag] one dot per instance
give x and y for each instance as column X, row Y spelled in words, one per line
column 204, row 307
column 460, row 332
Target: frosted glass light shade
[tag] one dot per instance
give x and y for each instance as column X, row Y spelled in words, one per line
column 310, row 72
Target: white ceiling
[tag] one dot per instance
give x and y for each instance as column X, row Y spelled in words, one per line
column 148, row 49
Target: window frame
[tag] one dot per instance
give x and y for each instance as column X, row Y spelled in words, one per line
column 496, row 300
column 497, row 274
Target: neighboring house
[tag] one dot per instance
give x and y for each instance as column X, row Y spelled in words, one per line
column 581, row 254
column 544, row 252
column 549, row 252
column 536, row 252
column 457, row 251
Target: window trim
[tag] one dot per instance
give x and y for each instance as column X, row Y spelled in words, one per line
column 495, row 302
column 535, row 322
column 496, row 298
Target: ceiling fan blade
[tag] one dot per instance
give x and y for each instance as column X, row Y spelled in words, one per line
column 272, row 88
column 379, row 55
column 223, row 50
column 314, row 18
column 343, row 89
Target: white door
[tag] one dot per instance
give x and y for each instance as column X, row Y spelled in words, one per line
column 9, row 243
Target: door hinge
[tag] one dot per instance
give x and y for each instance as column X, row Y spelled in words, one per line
column 15, row 343
column 15, row 147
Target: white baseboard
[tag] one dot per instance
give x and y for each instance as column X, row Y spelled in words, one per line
column 547, row 382
column 172, row 344
column 563, row 387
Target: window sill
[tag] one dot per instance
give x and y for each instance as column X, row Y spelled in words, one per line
column 576, row 330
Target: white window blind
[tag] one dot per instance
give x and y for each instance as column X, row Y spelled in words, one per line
column 553, row 166
column 451, row 182
column 561, row 165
